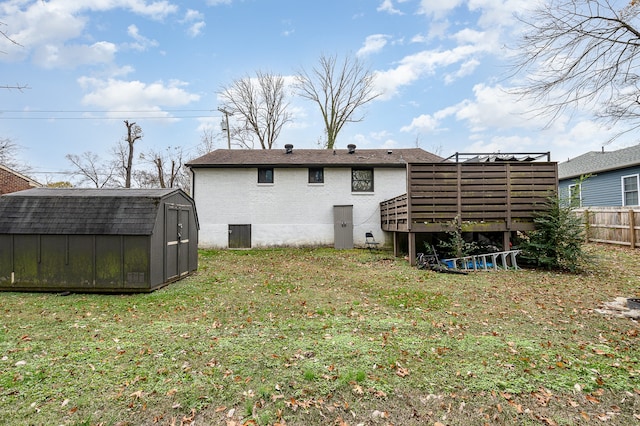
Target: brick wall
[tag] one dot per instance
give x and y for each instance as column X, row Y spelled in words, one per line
column 11, row 182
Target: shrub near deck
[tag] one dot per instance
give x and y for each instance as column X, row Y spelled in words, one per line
column 322, row 337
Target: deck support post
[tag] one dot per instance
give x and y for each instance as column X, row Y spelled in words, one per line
column 506, row 240
column 412, row 248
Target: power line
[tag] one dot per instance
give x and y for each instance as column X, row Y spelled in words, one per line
column 120, row 114
column 167, row 117
column 100, row 111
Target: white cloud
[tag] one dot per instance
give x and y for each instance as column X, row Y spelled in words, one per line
column 387, row 6
column 195, row 21
column 121, row 95
column 499, row 12
column 438, row 8
column 373, row 44
column 141, row 43
column 500, row 122
column 465, row 69
column 69, row 56
column 494, row 107
column 196, row 29
column 423, row 123
column 419, row 65
column 426, row 123
column 54, row 29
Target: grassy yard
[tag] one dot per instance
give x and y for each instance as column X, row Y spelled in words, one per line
column 317, row 336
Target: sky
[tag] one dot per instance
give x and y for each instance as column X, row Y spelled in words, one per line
column 442, row 69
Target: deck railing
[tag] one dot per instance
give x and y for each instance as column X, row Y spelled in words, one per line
column 496, row 196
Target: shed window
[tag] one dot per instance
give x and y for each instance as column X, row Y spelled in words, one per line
column 630, row 190
column 575, row 195
column 265, row 175
column 316, row 175
column 362, row 180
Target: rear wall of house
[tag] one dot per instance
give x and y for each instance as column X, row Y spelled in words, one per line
column 291, row 211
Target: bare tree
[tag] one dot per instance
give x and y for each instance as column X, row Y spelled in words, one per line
column 577, row 53
column 339, row 89
column 6, row 36
column 134, row 133
column 8, row 153
column 259, row 106
column 207, row 142
column 168, row 170
column 89, row 169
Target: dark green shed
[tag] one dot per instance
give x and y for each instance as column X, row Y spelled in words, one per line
column 96, row 240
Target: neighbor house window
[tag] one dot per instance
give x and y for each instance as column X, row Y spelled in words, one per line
column 362, row 180
column 630, row 190
column 265, row 175
column 316, row 175
column 575, row 195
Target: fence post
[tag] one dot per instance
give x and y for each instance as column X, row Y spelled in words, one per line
column 632, row 228
column 586, row 225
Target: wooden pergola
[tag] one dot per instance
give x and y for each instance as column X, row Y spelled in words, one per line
column 482, row 193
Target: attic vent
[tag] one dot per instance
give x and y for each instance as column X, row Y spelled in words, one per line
column 352, row 148
column 288, row 148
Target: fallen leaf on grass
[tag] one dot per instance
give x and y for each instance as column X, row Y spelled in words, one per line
column 172, row 392
column 136, row 394
column 188, row 420
column 379, row 414
column 401, row 371
column 592, row 399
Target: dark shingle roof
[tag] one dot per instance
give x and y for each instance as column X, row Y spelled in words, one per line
column 598, row 161
column 81, row 211
column 314, row 157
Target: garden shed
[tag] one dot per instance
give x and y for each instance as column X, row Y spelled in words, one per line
column 96, row 240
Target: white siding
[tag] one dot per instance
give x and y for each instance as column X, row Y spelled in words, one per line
column 291, row 211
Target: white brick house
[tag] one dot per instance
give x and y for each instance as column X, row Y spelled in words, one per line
column 296, row 197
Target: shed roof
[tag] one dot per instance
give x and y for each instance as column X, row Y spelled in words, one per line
column 81, row 211
column 314, row 157
column 599, row 161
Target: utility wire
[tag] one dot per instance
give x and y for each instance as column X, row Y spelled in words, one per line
column 167, row 117
column 34, row 114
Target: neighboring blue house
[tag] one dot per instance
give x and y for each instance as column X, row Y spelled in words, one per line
column 613, row 178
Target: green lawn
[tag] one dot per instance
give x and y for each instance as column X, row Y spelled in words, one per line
column 318, row 336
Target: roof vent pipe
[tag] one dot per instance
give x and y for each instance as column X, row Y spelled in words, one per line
column 352, row 148
column 288, row 148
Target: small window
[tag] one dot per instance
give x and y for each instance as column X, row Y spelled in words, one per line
column 575, row 195
column 316, row 175
column 362, row 180
column 265, row 175
column 630, row 190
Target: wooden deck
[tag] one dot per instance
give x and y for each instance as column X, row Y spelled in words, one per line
column 501, row 196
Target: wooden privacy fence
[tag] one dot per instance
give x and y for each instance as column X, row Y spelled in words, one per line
column 611, row 225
